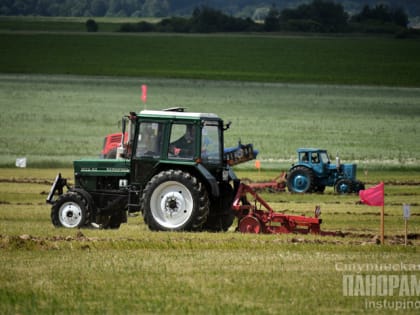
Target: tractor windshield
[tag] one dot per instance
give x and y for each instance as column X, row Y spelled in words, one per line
column 324, row 157
column 210, row 143
column 150, row 141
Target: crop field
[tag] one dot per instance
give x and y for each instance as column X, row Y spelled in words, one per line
column 263, row 58
column 53, row 120
column 60, row 95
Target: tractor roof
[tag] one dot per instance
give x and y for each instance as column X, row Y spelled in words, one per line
column 310, row 150
column 177, row 115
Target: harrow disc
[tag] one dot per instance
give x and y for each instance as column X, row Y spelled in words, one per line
column 250, row 224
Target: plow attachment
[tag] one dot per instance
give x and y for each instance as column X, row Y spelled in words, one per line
column 277, row 184
column 256, row 216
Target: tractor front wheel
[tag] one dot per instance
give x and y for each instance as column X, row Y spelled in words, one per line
column 300, row 180
column 70, row 211
column 174, row 200
column 344, row 186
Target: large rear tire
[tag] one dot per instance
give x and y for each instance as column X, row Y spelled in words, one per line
column 174, row 200
column 300, row 180
column 70, row 211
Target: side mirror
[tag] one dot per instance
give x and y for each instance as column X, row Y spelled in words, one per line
column 227, row 126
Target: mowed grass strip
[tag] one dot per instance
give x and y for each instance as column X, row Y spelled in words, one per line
column 281, row 280
column 341, row 60
column 45, row 270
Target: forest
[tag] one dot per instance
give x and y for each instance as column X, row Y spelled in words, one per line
column 254, row 9
column 319, row 16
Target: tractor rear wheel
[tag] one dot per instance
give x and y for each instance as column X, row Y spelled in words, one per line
column 174, row 200
column 300, row 180
column 70, row 211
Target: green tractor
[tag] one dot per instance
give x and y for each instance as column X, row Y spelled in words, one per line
column 171, row 166
column 314, row 171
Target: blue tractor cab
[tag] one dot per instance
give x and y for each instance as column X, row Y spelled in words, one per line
column 314, row 171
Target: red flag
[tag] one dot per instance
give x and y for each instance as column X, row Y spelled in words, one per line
column 373, row 196
column 144, row 93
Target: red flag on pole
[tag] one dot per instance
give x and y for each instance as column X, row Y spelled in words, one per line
column 144, row 93
column 373, row 196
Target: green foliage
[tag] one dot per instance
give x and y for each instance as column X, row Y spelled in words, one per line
column 203, row 20
column 318, row 16
column 217, row 16
column 91, row 25
column 159, row 8
column 382, row 13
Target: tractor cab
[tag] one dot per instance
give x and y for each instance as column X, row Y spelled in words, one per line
column 316, row 159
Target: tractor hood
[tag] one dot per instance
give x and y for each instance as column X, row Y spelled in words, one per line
column 101, row 167
column 348, row 170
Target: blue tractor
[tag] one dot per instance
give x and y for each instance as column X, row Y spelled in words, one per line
column 314, row 171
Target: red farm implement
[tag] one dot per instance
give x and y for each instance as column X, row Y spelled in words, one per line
column 277, row 184
column 256, row 216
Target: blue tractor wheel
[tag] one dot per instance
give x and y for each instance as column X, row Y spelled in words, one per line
column 344, row 186
column 300, row 180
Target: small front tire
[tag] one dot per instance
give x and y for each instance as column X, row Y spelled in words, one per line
column 70, row 211
column 344, row 186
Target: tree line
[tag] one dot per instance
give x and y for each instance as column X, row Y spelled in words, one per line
column 317, row 16
column 255, row 9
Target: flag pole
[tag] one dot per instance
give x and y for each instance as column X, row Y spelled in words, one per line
column 383, row 224
column 383, row 216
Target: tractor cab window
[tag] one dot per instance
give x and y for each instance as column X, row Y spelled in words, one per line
column 182, row 141
column 210, row 143
column 303, row 156
column 314, row 157
column 149, row 143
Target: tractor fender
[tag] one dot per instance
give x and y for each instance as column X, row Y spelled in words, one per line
column 197, row 170
column 299, row 165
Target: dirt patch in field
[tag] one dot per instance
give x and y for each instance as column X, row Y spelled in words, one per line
column 29, row 180
column 82, row 242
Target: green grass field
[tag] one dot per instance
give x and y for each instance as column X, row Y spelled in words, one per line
column 45, row 270
column 264, row 58
column 66, row 117
column 61, row 93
